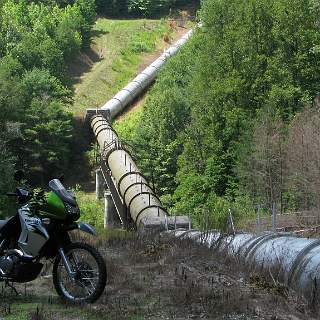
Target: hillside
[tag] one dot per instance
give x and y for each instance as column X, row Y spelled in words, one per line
column 232, row 121
column 53, row 67
column 119, row 49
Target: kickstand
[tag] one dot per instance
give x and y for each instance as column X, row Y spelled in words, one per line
column 10, row 285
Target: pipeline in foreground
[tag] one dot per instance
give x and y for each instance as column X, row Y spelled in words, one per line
column 290, row 260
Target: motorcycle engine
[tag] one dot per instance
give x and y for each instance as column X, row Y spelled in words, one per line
column 14, row 266
column 7, row 263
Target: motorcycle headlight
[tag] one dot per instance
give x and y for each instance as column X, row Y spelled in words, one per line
column 72, row 210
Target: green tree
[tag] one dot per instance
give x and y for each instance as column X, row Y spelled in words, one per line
column 247, row 58
column 7, row 162
column 40, row 85
column 88, row 12
column 47, row 136
column 12, row 96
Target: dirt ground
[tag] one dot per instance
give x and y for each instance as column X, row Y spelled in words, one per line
column 166, row 278
column 170, row 279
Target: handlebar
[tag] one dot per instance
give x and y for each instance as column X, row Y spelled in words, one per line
column 11, row 194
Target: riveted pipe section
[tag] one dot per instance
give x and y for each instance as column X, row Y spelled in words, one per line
column 143, row 80
column 293, row 261
column 144, row 206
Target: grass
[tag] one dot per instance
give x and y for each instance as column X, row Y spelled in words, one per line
column 126, row 126
column 118, row 49
column 45, row 311
column 92, row 210
column 23, row 308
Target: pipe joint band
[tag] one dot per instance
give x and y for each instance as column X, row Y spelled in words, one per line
column 135, row 184
column 142, row 193
column 117, row 99
column 298, row 261
column 98, row 129
column 128, row 174
column 98, row 118
column 253, row 248
column 148, row 207
column 130, row 92
column 139, row 83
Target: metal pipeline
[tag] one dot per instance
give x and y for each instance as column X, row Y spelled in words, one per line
column 143, row 80
column 144, row 206
column 290, row 260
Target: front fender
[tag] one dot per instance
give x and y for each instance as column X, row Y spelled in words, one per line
column 83, row 226
column 86, row 227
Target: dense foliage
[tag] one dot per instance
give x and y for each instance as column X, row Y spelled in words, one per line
column 129, row 8
column 92, row 210
column 138, row 8
column 36, row 43
column 221, row 125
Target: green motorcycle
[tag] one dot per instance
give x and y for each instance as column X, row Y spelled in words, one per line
column 39, row 231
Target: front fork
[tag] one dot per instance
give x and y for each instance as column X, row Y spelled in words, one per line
column 72, row 274
column 2, row 243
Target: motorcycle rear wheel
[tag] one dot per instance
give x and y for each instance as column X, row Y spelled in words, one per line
column 91, row 274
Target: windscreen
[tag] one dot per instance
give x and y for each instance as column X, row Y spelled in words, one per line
column 56, row 186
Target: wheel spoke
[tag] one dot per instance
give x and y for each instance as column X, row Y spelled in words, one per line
column 87, row 275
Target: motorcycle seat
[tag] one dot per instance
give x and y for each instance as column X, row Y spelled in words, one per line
column 3, row 223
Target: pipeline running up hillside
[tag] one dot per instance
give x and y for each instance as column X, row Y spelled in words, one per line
column 139, row 84
column 290, row 260
column 143, row 204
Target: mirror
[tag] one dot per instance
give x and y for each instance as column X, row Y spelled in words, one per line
column 18, row 175
column 61, row 177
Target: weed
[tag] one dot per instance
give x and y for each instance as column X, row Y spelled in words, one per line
column 92, row 210
column 38, row 314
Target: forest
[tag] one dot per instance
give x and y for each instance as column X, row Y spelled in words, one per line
column 38, row 42
column 231, row 122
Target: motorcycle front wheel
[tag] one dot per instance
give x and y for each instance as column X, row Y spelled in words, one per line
column 90, row 274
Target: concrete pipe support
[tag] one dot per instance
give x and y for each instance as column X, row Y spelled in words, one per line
column 291, row 260
column 99, row 184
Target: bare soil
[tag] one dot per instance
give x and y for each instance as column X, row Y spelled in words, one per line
column 163, row 278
